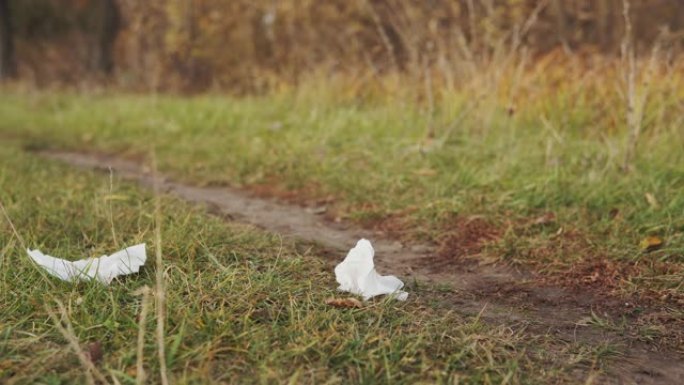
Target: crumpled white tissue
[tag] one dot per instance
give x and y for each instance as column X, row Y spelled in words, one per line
column 357, row 275
column 104, row 268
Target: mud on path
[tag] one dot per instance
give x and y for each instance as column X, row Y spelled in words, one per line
column 501, row 295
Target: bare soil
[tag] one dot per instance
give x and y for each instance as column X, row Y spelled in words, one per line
column 499, row 294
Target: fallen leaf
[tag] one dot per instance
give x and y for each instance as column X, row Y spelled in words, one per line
column 614, row 213
column 584, row 321
column 545, row 219
column 484, row 261
column 651, row 243
column 116, row 197
column 425, row 172
column 650, row 198
column 95, row 352
column 349, row 303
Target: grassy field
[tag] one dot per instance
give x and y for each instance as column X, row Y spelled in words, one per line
column 243, row 307
column 540, row 166
column 525, row 174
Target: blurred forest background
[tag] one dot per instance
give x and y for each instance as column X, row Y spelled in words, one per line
column 242, row 46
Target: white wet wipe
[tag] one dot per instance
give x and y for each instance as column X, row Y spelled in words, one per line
column 357, row 275
column 104, row 268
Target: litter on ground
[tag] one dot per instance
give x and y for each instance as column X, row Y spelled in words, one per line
column 104, row 268
column 357, row 275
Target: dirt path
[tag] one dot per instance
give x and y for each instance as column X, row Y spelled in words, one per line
column 501, row 291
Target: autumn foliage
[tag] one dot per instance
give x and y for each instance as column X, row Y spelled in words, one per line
column 241, row 45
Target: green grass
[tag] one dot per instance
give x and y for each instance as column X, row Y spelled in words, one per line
column 243, row 306
column 561, row 153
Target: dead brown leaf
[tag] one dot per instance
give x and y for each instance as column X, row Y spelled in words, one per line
column 614, row 213
column 349, row 303
column 547, row 218
column 651, row 243
column 95, row 352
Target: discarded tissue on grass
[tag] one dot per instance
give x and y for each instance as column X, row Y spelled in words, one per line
column 357, row 275
column 104, row 268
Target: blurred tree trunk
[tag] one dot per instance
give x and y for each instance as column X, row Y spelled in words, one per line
column 191, row 25
column 561, row 23
column 7, row 65
column 263, row 35
column 110, row 23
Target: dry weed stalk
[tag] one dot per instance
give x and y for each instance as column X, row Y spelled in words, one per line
column 430, row 130
column 110, row 208
column 635, row 101
column 159, row 292
column 383, row 35
column 24, row 247
column 91, row 371
column 144, row 308
column 629, row 61
column 472, row 26
column 67, row 332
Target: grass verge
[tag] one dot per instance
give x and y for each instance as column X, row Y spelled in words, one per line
column 540, row 186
